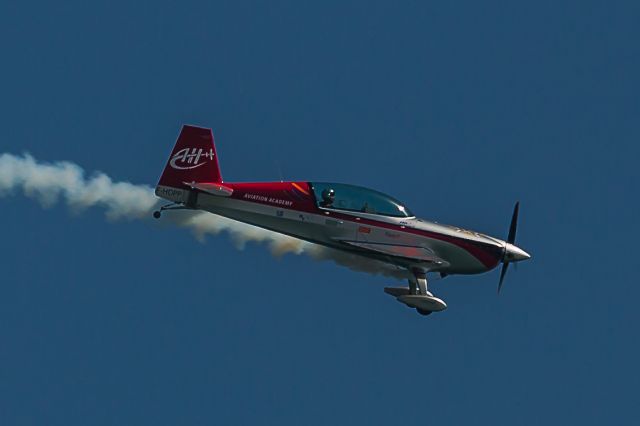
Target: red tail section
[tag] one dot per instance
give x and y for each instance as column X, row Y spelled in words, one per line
column 193, row 159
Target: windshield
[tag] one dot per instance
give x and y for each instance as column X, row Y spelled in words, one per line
column 340, row 196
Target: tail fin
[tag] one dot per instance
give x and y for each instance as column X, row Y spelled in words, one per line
column 193, row 159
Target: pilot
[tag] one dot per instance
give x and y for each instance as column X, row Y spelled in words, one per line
column 366, row 208
column 328, row 195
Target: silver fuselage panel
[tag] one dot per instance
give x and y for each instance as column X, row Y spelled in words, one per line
column 328, row 227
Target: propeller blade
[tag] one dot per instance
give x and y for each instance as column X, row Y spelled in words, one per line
column 505, row 266
column 514, row 224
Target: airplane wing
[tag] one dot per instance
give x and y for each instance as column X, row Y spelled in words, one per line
column 409, row 252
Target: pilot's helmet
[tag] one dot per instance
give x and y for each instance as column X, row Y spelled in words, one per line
column 328, row 194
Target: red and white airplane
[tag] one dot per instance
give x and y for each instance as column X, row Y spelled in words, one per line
column 344, row 217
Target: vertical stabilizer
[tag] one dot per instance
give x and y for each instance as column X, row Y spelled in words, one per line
column 193, row 160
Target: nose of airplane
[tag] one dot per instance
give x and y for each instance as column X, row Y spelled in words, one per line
column 515, row 254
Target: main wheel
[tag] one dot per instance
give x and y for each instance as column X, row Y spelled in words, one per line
column 157, row 214
column 423, row 311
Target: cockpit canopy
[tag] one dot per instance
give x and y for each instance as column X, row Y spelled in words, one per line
column 357, row 199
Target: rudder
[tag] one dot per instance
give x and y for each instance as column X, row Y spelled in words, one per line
column 193, row 159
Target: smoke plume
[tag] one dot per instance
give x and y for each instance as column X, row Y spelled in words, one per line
column 49, row 183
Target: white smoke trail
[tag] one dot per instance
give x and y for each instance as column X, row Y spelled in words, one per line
column 47, row 183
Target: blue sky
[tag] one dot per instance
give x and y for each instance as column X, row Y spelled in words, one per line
column 458, row 110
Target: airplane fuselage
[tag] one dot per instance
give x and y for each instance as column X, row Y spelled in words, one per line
column 290, row 208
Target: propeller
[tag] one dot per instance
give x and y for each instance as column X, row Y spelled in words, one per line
column 510, row 239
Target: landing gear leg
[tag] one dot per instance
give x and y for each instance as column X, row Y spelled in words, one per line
column 418, row 283
column 413, row 286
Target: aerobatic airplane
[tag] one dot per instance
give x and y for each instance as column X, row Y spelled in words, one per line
column 345, row 217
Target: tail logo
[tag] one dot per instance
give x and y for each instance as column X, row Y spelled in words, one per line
column 185, row 160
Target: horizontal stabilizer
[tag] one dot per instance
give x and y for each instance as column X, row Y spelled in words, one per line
column 217, row 189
